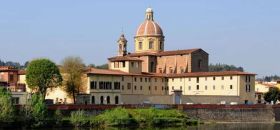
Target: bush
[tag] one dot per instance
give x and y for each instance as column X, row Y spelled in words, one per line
column 7, row 110
column 39, row 111
column 79, row 118
column 114, row 117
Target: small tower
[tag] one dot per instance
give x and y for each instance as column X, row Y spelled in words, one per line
column 122, row 42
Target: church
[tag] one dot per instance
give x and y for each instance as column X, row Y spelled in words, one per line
column 153, row 75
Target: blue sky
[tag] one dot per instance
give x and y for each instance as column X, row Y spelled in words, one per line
column 240, row 32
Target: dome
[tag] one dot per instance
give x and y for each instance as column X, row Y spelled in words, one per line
column 149, row 28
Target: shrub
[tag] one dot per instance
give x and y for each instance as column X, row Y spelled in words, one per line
column 79, row 118
column 7, row 110
column 114, row 117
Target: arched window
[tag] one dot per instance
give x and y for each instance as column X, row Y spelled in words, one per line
column 108, row 99
column 92, row 100
column 101, row 99
column 116, row 99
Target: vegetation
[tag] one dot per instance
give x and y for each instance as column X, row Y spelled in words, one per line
column 269, row 78
column 141, row 117
column 14, row 64
column 73, row 67
column 273, row 95
column 224, row 67
column 42, row 74
column 103, row 66
column 7, row 110
column 79, row 118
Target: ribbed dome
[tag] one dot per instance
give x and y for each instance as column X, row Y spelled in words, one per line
column 149, row 28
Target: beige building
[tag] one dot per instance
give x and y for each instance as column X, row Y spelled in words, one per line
column 153, row 75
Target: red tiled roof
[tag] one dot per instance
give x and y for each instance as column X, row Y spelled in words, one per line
column 21, row 72
column 149, row 28
column 194, row 74
column 223, row 73
column 165, row 53
column 123, row 58
column 7, row 68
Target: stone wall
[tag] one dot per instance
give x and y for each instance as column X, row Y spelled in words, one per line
column 265, row 114
column 206, row 113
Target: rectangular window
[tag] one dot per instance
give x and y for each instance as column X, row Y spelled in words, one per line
column 123, row 64
column 116, row 64
column 181, row 87
column 205, row 87
column 128, row 86
column 122, row 78
column 146, row 79
column 132, row 64
column 135, row 79
column 190, row 87
column 140, row 46
column 231, row 87
column 214, row 78
column 205, row 78
column 141, row 79
column 149, row 87
column 135, row 87
column 197, row 87
column 197, row 79
column 189, row 79
column 93, row 85
column 230, row 77
column 151, row 45
column 140, row 87
column 214, row 87
column 223, row 77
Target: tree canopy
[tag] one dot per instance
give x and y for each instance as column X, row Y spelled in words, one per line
column 73, row 69
column 224, row 67
column 42, row 74
column 273, row 95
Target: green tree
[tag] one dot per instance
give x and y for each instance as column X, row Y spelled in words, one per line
column 6, row 106
column 39, row 110
column 74, row 68
column 224, row 67
column 272, row 95
column 42, row 74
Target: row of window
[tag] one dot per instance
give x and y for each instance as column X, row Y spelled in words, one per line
column 105, row 85
column 149, row 79
column 104, row 100
column 151, row 45
column 206, row 87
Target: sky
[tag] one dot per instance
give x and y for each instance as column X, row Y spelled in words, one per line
column 240, row 32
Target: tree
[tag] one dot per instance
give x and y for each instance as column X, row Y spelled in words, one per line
column 42, row 74
column 224, row 67
column 272, row 95
column 74, row 68
column 6, row 106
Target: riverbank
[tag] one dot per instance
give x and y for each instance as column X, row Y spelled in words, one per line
column 117, row 117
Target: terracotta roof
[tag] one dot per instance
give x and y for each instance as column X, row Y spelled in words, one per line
column 106, row 72
column 21, row 72
column 123, row 58
column 223, row 73
column 268, row 85
column 194, row 74
column 149, row 28
column 166, row 53
column 7, row 68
